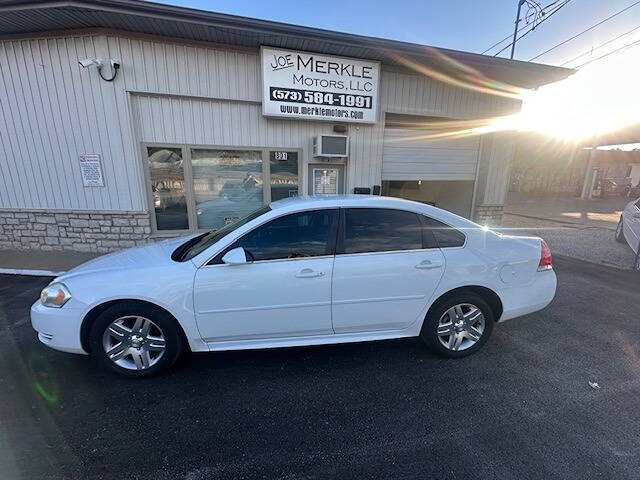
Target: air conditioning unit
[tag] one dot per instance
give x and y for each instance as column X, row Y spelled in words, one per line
column 331, row 146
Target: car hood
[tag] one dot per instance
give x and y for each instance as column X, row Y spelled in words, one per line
column 152, row 255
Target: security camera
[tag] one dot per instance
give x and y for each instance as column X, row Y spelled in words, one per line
column 90, row 62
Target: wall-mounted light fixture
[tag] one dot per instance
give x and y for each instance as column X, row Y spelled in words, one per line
column 95, row 62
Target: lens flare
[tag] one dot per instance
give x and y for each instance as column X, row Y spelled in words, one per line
column 600, row 99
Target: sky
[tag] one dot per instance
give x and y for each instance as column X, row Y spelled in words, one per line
column 469, row 25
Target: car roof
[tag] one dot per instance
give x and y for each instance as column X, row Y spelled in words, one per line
column 323, row 201
column 304, row 202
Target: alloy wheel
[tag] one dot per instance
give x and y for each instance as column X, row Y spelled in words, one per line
column 461, row 327
column 134, row 342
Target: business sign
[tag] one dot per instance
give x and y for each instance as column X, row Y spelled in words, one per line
column 319, row 87
column 91, row 170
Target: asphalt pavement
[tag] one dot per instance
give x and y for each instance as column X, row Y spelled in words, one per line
column 523, row 407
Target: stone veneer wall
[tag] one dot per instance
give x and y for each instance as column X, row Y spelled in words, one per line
column 490, row 215
column 78, row 231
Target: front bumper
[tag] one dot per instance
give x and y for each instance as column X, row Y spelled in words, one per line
column 58, row 328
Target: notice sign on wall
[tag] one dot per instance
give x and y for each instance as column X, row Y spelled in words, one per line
column 91, row 169
column 319, row 87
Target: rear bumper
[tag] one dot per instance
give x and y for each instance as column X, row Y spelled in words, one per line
column 58, row 328
column 522, row 300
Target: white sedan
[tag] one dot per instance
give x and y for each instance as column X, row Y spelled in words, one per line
column 301, row 271
column 628, row 229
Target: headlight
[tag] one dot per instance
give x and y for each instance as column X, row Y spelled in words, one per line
column 55, row 295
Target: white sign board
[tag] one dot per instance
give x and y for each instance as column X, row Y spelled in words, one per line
column 319, row 87
column 325, row 181
column 91, row 169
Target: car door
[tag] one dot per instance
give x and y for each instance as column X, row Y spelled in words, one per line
column 631, row 224
column 384, row 271
column 283, row 291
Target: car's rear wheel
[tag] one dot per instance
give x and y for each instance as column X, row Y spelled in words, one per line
column 135, row 340
column 458, row 326
column 619, row 232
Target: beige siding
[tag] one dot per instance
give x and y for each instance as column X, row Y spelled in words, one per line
column 500, row 154
column 52, row 110
column 411, row 93
column 180, row 69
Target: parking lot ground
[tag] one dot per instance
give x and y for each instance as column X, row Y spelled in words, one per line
column 522, row 407
column 586, row 242
column 595, row 212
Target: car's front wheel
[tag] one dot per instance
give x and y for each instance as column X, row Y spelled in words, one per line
column 458, row 326
column 135, row 339
column 619, row 232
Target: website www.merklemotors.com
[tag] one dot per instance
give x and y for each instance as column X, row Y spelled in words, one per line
column 321, row 112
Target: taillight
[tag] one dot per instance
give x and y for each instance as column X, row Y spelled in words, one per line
column 545, row 257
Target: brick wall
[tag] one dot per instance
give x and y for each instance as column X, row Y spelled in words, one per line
column 82, row 232
column 490, row 215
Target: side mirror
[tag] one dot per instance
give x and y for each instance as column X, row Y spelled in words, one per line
column 236, row 256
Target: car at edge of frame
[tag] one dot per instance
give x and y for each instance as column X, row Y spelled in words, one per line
column 300, row 271
column 628, row 228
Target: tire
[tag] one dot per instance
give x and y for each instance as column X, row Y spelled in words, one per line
column 620, row 232
column 439, row 315
column 144, row 339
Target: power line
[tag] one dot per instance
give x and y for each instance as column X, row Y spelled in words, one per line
column 520, row 29
column 585, row 31
column 624, row 47
column 534, row 27
column 600, row 46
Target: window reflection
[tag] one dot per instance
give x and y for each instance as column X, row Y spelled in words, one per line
column 227, row 185
column 166, row 169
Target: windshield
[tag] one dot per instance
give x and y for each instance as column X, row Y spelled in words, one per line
column 197, row 245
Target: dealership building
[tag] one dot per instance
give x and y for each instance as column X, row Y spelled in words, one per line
column 123, row 121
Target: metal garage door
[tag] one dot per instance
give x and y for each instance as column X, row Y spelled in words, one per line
column 409, row 154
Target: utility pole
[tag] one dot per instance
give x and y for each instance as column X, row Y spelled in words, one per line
column 515, row 30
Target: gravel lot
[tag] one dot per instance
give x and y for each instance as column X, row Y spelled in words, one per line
column 591, row 243
column 520, row 408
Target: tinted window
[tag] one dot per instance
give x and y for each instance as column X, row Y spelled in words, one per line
column 381, row 230
column 444, row 235
column 305, row 234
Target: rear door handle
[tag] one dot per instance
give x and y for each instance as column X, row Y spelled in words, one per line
column 429, row 265
column 308, row 273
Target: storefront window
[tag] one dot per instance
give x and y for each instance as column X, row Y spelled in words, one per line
column 166, row 169
column 227, row 184
column 284, row 174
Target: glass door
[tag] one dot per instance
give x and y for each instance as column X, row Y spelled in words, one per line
column 283, row 174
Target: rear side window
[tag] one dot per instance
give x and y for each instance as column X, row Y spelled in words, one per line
column 380, row 230
column 443, row 234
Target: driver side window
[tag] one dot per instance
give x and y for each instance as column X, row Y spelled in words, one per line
column 299, row 235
